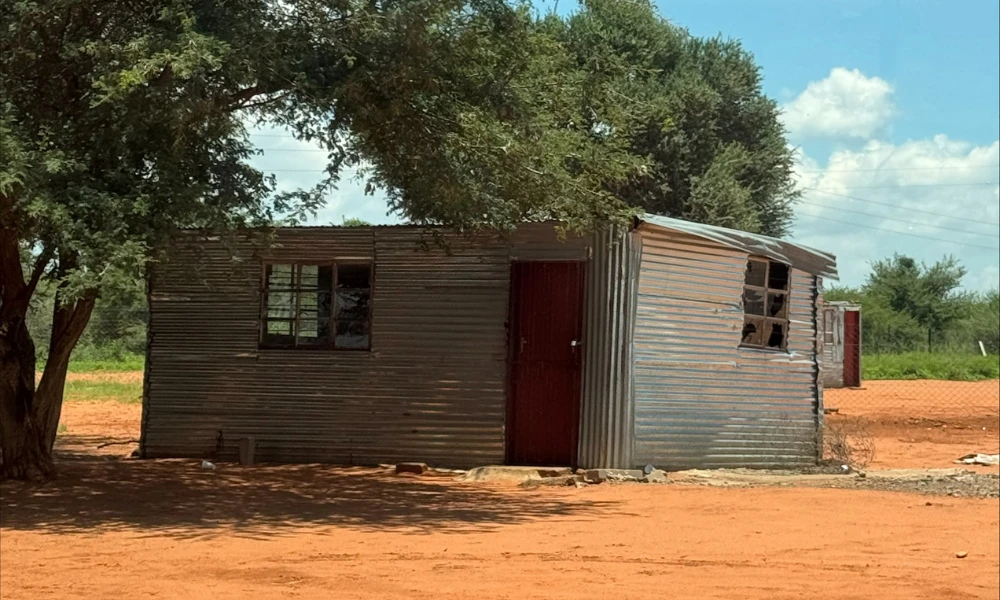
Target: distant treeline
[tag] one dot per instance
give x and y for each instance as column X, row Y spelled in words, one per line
column 913, row 307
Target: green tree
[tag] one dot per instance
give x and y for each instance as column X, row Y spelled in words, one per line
column 123, row 121
column 692, row 107
column 927, row 294
column 354, row 222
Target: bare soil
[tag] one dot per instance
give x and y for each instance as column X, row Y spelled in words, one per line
column 110, row 527
column 923, row 424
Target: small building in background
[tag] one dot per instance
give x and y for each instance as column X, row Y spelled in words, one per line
column 841, row 356
column 665, row 342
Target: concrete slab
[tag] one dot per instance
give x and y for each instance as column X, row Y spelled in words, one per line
column 513, row 473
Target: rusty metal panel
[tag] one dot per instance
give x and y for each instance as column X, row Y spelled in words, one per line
column 606, row 415
column 431, row 389
column 700, row 399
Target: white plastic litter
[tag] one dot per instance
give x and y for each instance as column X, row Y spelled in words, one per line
column 979, row 459
column 208, row 466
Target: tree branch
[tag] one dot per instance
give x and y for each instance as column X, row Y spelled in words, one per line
column 239, row 100
column 36, row 273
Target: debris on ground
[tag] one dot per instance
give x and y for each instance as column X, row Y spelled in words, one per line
column 958, row 483
column 414, row 468
column 208, row 466
column 979, row 459
column 961, row 554
column 602, row 475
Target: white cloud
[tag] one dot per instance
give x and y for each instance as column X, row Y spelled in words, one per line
column 846, row 104
column 296, row 164
column 924, row 198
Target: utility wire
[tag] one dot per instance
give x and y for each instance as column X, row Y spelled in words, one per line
column 942, row 240
column 887, row 218
column 896, row 206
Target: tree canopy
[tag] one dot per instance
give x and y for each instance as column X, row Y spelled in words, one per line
column 908, row 305
column 121, row 122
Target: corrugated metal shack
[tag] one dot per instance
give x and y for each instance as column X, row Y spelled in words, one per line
column 668, row 342
column 840, row 361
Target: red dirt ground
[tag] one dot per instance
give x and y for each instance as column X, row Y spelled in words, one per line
column 111, row 528
column 923, row 424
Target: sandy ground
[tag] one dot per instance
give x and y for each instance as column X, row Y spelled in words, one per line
column 114, row 528
column 923, row 424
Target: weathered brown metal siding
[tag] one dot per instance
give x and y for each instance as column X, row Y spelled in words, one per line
column 431, row 389
column 607, row 423
column 700, row 399
column 541, row 241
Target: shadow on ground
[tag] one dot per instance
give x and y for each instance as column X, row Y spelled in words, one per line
column 179, row 498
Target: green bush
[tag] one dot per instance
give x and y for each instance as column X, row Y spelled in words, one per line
column 924, row 365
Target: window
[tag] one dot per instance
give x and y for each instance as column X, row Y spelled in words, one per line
column 317, row 306
column 828, row 317
column 765, row 304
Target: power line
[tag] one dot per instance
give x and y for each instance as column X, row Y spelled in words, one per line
column 994, row 248
column 896, row 206
column 997, row 166
column 867, row 214
column 911, row 185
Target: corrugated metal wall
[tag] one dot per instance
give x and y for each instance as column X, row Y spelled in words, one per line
column 431, row 389
column 606, row 417
column 832, row 357
column 700, row 400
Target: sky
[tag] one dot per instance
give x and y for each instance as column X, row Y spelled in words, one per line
column 893, row 108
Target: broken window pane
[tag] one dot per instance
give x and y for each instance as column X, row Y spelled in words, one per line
column 352, row 304
column 776, row 305
column 352, row 334
column 756, row 273
column 302, row 307
column 765, row 304
column 777, row 276
column 775, row 334
column 752, row 331
column 353, row 276
column 753, row 302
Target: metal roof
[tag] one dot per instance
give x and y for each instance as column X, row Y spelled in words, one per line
column 801, row 257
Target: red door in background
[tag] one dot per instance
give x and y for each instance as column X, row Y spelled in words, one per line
column 852, row 348
column 546, row 325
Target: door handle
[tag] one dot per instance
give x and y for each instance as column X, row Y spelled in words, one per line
column 575, row 343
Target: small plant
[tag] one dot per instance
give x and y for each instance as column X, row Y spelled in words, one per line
column 62, row 429
column 848, row 442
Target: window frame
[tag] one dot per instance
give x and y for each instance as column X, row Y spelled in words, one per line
column 296, row 289
column 764, row 319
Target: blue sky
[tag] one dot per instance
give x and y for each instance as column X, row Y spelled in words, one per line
column 893, row 106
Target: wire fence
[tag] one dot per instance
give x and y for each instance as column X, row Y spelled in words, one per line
column 918, row 408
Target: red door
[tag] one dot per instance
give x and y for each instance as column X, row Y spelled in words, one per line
column 546, row 322
column 852, row 348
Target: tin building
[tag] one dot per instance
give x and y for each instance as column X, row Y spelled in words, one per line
column 840, row 361
column 667, row 342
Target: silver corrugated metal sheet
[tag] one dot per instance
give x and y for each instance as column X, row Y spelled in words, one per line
column 816, row 262
column 431, row 389
column 606, row 418
column 700, row 399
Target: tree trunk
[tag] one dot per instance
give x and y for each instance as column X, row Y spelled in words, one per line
column 31, row 416
column 24, row 453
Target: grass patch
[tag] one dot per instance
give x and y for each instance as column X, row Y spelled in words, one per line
column 115, row 391
column 128, row 362
column 925, row 365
